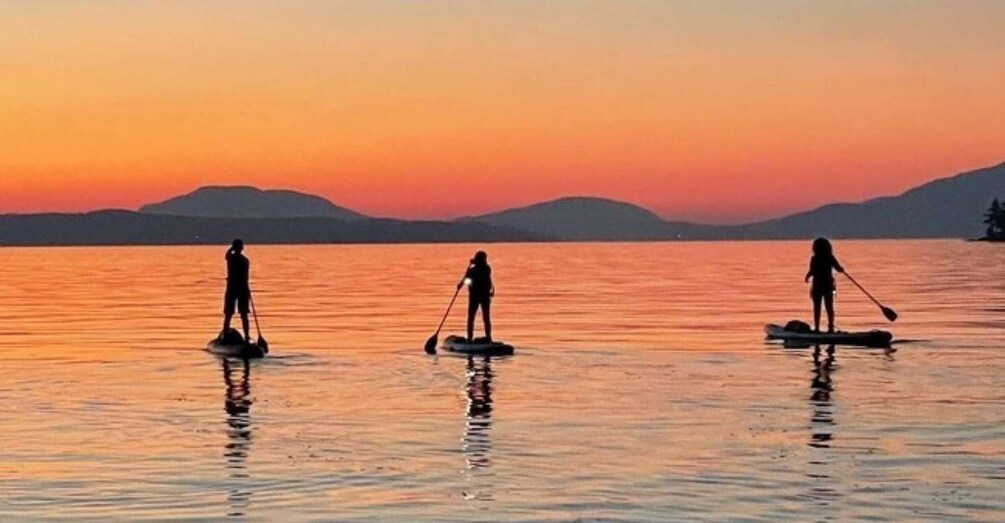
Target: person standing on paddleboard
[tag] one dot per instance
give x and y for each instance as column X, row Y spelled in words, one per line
column 238, row 291
column 823, row 287
column 478, row 278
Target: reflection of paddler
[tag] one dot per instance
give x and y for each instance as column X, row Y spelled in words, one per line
column 820, row 397
column 237, row 403
column 478, row 417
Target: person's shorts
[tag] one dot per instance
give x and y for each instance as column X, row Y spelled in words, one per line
column 826, row 289
column 479, row 299
column 238, row 297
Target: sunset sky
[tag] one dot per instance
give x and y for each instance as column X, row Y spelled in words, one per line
column 718, row 111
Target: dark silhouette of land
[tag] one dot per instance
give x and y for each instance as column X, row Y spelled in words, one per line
column 994, row 218
column 250, row 202
column 944, row 208
column 591, row 219
column 131, row 228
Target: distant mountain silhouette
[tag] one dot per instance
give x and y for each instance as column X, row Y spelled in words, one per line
column 583, row 218
column 946, row 208
column 116, row 227
column 249, row 202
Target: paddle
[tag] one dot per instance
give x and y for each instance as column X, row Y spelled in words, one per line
column 888, row 312
column 435, row 338
column 261, row 340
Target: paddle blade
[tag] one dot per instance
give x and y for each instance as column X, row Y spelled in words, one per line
column 431, row 344
column 889, row 313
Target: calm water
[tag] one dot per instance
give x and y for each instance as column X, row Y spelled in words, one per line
column 642, row 389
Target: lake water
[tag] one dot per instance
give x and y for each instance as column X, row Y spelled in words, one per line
column 642, row 389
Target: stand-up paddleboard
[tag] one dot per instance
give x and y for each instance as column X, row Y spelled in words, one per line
column 233, row 345
column 874, row 338
column 460, row 345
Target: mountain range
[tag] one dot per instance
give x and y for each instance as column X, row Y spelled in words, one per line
column 249, row 202
column 945, row 208
column 949, row 207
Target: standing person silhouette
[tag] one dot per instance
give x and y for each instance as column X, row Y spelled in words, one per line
column 238, row 290
column 478, row 278
column 823, row 287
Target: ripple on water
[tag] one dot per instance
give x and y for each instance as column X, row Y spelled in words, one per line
column 641, row 390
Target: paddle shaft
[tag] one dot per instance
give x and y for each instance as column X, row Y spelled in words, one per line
column 446, row 314
column 861, row 288
column 254, row 313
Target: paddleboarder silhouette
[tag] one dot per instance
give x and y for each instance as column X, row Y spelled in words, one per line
column 822, row 290
column 238, row 294
column 478, row 278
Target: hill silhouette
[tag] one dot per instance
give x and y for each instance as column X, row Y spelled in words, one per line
column 583, row 218
column 249, row 202
column 116, row 227
column 945, row 208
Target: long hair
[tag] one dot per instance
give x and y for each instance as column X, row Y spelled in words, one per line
column 822, row 247
column 481, row 259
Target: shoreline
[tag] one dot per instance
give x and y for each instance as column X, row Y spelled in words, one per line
column 219, row 243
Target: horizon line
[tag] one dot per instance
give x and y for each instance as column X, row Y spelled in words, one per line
column 515, row 206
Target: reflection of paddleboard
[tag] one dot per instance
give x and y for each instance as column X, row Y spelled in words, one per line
column 234, row 346
column 875, row 338
column 460, row 345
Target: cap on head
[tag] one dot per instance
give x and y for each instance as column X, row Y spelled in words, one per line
column 237, row 245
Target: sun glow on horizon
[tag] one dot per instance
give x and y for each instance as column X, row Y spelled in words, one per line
column 717, row 112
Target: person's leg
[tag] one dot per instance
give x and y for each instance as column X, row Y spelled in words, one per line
column 829, row 302
column 487, row 317
column 816, row 310
column 472, row 310
column 243, row 306
column 228, row 312
column 246, row 325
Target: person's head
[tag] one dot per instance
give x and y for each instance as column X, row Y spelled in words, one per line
column 237, row 246
column 480, row 258
column 822, row 247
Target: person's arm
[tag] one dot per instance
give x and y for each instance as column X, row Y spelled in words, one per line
column 492, row 286
column 809, row 272
column 837, row 266
column 467, row 274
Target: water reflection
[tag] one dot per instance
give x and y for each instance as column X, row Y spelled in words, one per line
column 477, row 440
column 478, row 417
column 821, row 386
column 822, row 426
column 237, row 404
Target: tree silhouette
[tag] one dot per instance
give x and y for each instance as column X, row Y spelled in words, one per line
column 995, row 220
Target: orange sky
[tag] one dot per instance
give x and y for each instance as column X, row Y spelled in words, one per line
column 714, row 111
